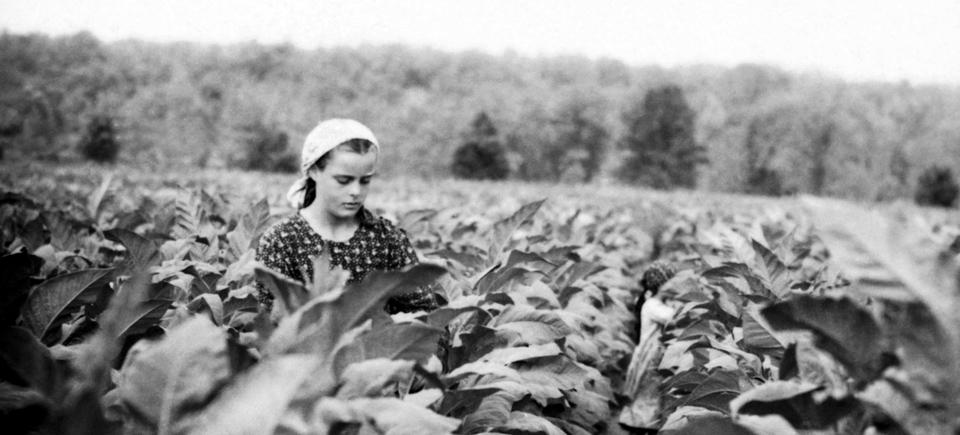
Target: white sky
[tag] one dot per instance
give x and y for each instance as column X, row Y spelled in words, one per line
column 917, row 40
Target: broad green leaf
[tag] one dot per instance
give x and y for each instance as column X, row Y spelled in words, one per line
column 326, row 277
column 589, row 408
column 146, row 315
column 66, row 234
column 177, row 376
column 405, row 341
column 757, row 334
column 916, row 332
column 568, row 427
column 24, row 410
column 888, row 258
column 254, row 402
column 241, row 271
column 775, row 393
column 249, row 229
column 141, row 254
column 241, row 299
column 381, row 415
column 291, row 293
column 499, row 278
column 684, row 382
column 772, row 270
column 494, row 410
column 507, row 356
column 733, row 271
column 528, row 423
column 796, row 403
column 462, row 401
column 478, row 342
column 444, row 316
column 148, row 308
column 467, row 259
column 715, row 392
column 32, row 235
column 53, row 301
column 15, row 283
column 27, row 362
column 555, row 371
column 189, row 215
column 320, row 324
column 542, row 394
column 503, row 230
column 485, row 369
column 413, row 217
column 841, row 328
column 369, row 378
column 97, row 198
column 576, row 271
column 710, row 425
column 81, row 410
column 534, row 326
column 210, row 303
column 767, row 424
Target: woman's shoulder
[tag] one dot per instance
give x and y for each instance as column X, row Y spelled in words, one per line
column 284, row 228
column 383, row 227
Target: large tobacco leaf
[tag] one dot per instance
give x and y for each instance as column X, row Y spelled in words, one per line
column 795, row 402
column 141, row 254
column 494, row 410
column 168, row 381
column 524, row 422
column 405, row 341
column 189, row 215
column 380, row 415
column 28, row 364
column 371, row 377
column 504, row 229
column 533, row 326
column 772, row 270
column 714, row 393
column 81, row 411
column 15, row 283
column 710, row 425
column 53, row 301
column 841, row 328
column 255, row 401
column 318, row 326
column 758, row 335
column 249, row 229
column 291, row 294
column 888, row 256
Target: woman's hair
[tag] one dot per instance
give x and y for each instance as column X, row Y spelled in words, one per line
column 359, row 146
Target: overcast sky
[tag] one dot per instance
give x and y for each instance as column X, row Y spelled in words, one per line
column 915, row 40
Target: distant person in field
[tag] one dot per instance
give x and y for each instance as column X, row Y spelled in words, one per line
column 338, row 163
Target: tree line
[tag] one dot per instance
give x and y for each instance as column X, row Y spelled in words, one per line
column 750, row 128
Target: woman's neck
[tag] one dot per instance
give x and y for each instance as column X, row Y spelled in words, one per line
column 328, row 226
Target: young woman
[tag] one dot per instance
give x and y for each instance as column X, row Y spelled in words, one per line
column 338, row 162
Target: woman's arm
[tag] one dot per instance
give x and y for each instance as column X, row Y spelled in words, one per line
column 404, row 255
column 271, row 253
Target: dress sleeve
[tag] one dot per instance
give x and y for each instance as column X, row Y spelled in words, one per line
column 270, row 253
column 403, row 254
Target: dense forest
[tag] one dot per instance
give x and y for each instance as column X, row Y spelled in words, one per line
column 750, row 128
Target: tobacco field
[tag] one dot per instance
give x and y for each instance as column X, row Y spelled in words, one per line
column 128, row 307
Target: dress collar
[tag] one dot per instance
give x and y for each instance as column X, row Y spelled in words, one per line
column 366, row 217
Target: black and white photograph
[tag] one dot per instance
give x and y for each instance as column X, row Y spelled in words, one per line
column 505, row 217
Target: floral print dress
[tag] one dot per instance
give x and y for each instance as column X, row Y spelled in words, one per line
column 290, row 246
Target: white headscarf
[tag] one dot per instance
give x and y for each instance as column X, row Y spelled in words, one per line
column 325, row 137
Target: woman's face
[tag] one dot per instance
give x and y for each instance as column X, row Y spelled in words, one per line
column 343, row 185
